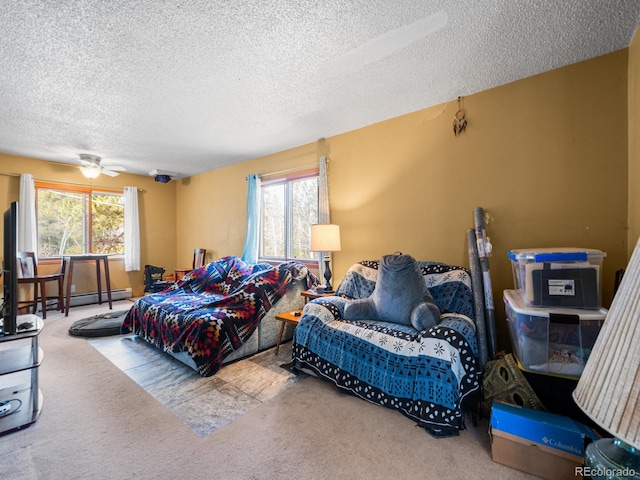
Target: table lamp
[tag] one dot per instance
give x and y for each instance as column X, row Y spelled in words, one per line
column 609, row 388
column 325, row 237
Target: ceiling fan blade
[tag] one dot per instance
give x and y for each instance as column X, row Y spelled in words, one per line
column 110, row 173
column 116, row 168
column 63, row 165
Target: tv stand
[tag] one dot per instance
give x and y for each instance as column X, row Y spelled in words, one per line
column 20, row 359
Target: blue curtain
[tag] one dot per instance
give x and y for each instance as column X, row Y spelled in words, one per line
column 251, row 241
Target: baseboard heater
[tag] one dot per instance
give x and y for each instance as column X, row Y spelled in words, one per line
column 90, row 298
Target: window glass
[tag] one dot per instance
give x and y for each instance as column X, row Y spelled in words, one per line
column 78, row 221
column 289, row 208
column 107, row 225
column 61, row 227
column 273, row 221
column 304, row 206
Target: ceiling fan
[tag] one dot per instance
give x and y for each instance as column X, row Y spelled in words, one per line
column 91, row 166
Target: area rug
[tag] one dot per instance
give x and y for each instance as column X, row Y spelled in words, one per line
column 105, row 324
column 202, row 404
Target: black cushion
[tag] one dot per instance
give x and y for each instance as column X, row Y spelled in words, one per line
column 99, row 325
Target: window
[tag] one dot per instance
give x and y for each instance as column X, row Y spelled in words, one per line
column 289, row 208
column 78, row 220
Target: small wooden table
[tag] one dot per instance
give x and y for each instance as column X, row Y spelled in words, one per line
column 71, row 259
column 292, row 317
column 311, row 294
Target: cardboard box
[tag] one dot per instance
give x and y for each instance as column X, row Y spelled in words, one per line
column 541, row 443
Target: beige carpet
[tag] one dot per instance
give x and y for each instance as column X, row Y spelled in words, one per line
column 97, row 423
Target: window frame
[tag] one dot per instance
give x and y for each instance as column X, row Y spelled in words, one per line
column 286, row 179
column 76, row 188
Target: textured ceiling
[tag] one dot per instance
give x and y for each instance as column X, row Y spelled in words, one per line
column 189, row 86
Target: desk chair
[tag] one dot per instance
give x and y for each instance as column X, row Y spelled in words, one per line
column 198, row 261
column 29, row 271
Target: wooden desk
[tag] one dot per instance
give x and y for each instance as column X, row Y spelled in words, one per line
column 292, row 317
column 71, row 259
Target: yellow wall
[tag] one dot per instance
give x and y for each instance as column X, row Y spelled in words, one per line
column 157, row 216
column 545, row 156
column 213, row 205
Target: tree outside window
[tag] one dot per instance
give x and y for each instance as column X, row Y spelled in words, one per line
column 289, row 208
column 78, row 220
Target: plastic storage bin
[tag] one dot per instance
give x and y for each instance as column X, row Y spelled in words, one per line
column 551, row 341
column 559, row 277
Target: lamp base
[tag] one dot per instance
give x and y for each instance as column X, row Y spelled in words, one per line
column 611, row 458
column 327, row 276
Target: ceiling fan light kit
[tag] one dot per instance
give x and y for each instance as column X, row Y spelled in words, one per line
column 91, row 166
column 90, row 172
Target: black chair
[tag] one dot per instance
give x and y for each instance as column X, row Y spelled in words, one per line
column 153, row 279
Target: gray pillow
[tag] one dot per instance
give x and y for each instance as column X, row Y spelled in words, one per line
column 400, row 296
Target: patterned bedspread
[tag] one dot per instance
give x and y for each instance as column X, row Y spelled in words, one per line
column 426, row 374
column 212, row 310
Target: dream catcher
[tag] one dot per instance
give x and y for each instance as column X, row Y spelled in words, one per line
column 459, row 122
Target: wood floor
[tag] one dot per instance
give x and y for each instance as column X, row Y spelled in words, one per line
column 203, row 404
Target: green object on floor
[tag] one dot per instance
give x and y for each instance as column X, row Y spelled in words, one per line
column 102, row 325
column 503, row 381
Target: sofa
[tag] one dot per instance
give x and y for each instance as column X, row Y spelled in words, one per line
column 220, row 312
column 429, row 375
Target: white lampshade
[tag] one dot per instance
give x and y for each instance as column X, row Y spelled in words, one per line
column 609, row 389
column 325, row 237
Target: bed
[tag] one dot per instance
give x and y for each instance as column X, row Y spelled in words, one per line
column 220, row 312
column 428, row 375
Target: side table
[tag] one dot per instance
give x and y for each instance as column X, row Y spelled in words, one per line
column 311, row 294
column 292, row 317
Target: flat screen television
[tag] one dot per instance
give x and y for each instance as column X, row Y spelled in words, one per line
column 10, row 270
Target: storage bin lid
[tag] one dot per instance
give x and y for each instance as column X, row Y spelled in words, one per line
column 513, row 299
column 566, row 254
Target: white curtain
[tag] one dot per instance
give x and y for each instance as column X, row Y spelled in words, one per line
column 27, row 229
column 131, row 230
column 323, row 206
column 252, row 238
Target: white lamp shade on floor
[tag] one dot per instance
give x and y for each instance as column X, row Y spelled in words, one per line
column 609, row 389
